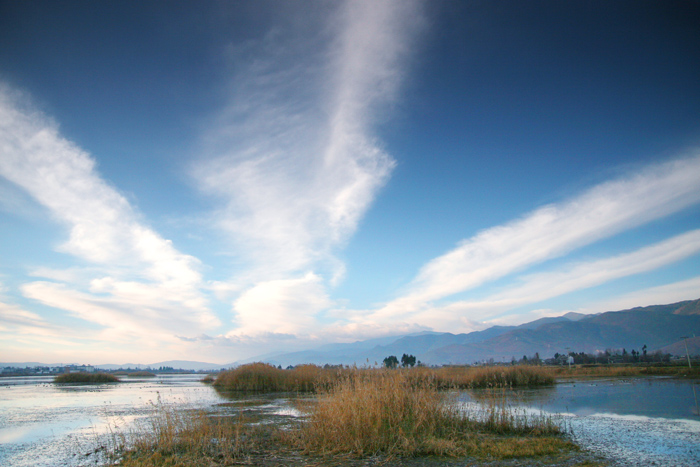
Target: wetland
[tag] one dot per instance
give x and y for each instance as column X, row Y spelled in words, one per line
column 617, row 421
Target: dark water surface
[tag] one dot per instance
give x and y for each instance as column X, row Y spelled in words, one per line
column 632, row 422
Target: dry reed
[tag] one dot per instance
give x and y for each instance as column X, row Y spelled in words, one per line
column 403, row 413
column 175, row 437
column 92, row 378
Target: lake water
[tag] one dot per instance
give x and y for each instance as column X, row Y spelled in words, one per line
column 632, row 422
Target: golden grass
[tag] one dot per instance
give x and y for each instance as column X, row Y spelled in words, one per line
column 180, row 438
column 262, row 377
column 493, row 376
column 86, row 378
column 403, row 413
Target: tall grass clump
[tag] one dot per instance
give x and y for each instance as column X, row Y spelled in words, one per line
column 263, row 377
column 176, row 437
column 92, row 378
column 494, row 377
column 404, row 413
column 366, row 412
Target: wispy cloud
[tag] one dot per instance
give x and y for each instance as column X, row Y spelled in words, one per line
column 294, row 157
column 132, row 264
column 534, row 288
column 556, row 230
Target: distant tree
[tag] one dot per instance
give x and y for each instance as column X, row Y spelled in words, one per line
column 391, row 361
column 408, row 360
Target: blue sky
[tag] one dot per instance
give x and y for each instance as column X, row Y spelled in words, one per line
column 218, row 180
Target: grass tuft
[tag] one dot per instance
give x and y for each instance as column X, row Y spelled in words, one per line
column 263, row 377
column 86, row 378
column 403, row 413
column 175, row 437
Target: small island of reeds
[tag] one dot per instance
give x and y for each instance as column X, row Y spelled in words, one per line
column 142, row 374
column 361, row 413
column 91, row 378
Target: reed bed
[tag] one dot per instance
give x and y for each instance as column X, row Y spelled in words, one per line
column 357, row 413
column 92, row 378
column 142, row 374
column 493, row 377
column 612, row 371
column 179, row 438
column 399, row 413
column 262, row 377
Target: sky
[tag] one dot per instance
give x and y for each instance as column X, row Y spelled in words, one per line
column 216, row 181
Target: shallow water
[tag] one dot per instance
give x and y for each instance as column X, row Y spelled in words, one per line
column 44, row 424
column 631, row 422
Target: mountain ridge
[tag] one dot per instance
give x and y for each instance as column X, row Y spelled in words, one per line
column 659, row 327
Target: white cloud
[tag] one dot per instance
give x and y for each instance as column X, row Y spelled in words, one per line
column 301, row 169
column 553, row 231
column 534, row 288
column 285, row 306
column 132, row 264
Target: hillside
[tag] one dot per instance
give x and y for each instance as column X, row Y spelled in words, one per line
column 659, row 327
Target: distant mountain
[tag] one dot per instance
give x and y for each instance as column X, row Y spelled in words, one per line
column 657, row 327
column 679, row 348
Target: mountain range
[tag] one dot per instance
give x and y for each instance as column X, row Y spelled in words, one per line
column 659, row 327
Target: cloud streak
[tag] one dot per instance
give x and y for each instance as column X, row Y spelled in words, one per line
column 134, row 265
column 301, row 169
column 294, row 158
column 553, row 231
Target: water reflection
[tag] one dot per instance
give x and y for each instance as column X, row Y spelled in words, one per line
column 634, row 422
column 648, row 397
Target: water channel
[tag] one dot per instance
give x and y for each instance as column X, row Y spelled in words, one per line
column 631, row 422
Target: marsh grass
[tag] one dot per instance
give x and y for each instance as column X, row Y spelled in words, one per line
column 176, row 437
column 142, row 374
column 493, row 376
column 90, row 378
column 355, row 413
column 262, row 377
column 398, row 413
column 613, row 371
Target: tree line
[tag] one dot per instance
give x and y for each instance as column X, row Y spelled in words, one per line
column 406, row 361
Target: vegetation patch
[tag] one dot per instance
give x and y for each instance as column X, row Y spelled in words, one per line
column 356, row 415
column 92, row 378
column 612, row 371
column 398, row 414
column 263, row 377
column 142, row 374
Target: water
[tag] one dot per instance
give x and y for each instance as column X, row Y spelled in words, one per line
column 44, row 424
column 632, row 422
